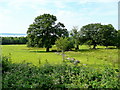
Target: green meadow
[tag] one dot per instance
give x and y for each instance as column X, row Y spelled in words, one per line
column 86, row 56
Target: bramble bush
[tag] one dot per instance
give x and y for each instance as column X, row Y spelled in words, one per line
column 24, row 75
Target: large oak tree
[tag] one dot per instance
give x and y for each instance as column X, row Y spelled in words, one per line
column 108, row 35
column 91, row 33
column 97, row 34
column 44, row 31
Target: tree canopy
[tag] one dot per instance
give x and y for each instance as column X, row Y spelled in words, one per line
column 98, row 34
column 62, row 44
column 91, row 33
column 118, row 39
column 44, row 31
column 108, row 35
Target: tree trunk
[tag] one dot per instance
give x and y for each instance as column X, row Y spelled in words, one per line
column 118, row 47
column 94, row 47
column 106, row 47
column 77, row 47
column 47, row 49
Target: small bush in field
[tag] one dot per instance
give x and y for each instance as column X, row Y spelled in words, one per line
column 6, row 62
column 23, row 75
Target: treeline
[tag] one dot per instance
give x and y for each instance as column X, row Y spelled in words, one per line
column 45, row 31
column 13, row 40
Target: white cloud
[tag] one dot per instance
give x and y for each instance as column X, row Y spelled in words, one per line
column 18, row 4
column 38, row 7
column 59, row 4
column 41, row 11
column 71, row 19
column 80, row 18
column 86, row 1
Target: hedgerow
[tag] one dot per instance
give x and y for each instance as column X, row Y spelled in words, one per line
column 24, row 75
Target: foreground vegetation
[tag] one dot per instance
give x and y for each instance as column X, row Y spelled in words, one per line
column 24, row 75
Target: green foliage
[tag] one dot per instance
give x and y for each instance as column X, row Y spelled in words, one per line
column 62, row 43
column 108, row 35
column 14, row 40
column 6, row 62
column 97, row 34
column 71, row 43
column 63, row 75
column 44, row 32
column 118, row 39
column 91, row 32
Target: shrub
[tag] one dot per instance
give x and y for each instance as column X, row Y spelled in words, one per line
column 24, row 75
column 6, row 64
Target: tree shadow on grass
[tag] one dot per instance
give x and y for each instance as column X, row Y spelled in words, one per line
column 86, row 50
column 111, row 48
column 41, row 51
column 80, row 50
column 89, row 50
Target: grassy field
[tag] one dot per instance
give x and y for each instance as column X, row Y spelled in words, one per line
column 98, row 57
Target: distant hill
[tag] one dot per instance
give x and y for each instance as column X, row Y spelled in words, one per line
column 12, row 35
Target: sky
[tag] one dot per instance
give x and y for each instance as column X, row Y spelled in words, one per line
column 17, row 15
